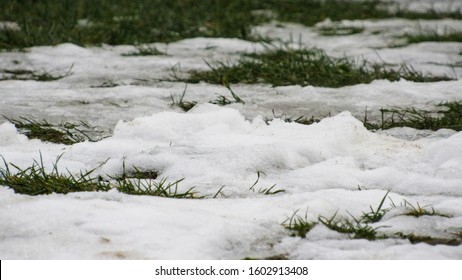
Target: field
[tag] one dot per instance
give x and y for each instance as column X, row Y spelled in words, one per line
column 244, row 129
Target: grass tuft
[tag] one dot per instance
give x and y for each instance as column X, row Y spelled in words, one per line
column 25, row 75
column 35, row 180
column 356, row 229
column 141, row 182
column 289, row 119
column 375, row 215
column 265, row 191
column 448, row 116
column 418, row 211
column 223, row 100
column 282, row 67
column 339, row 30
column 144, row 50
column 360, row 228
column 149, row 187
column 300, row 226
column 65, row 133
column 430, row 35
column 180, row 102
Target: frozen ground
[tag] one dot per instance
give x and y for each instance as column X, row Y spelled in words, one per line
column 334, row 165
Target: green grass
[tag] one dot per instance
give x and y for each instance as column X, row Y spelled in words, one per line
column 181, row 103
column 35, row 180
column 375, row 215
column 419, row 211
column 356, row 229
column 64, row 133
column 266, row 191
column 339, row 30
column 429, row 35
column 361, row 228
column 148, row 187
column 299, row 226
column 25, row 75
column 93, row 22
column 281, row 67
column 137, row 181
column 144, row 50
column 447, row 115
column 290, row 119
column 222, row 100
column 415, row 239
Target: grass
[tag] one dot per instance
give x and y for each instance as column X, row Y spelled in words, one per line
column 181, row 103
column 141, row 182
column 144, row 50
column 415, row 239
column 24, row 75
column 282, row 67
column 160, row 188
column 35, row 180
column 289, row 119
column 94, row 22
column 356, row 229
column 361, row 228
column 375, row 215
column 64, row 133
column 223, row 100
column 266, row 191
column 431, row 35
column 339, row 30
column 418, row 211
column 448, row 115
column 107, row 84
column 299, row 226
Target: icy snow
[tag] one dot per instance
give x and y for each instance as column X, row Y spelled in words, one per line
column 332, row 166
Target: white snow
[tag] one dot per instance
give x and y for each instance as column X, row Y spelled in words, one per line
column 334, row 166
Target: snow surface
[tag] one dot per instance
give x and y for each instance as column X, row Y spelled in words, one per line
column 334, row 165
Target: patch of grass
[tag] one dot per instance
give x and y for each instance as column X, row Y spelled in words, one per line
column 149, row 187
column 180, row 102
column 288, row 119
column 300, row 226
column 375, row 215
column 357, row 229
column 136, row 173
column 430, row 35
column 418, row 211
column 402, row 11
column 448, row 116
column 360, row 228
column 35, row 180
column 265, row 191
column 144, row 50
column 90, row 22
column 339, row 30
column 303, row 67
column 223, row 100
column 25, row 75
column 115, row 22
column 107, row 84
column 415, row 239
column 136, row 181
column 65, row 133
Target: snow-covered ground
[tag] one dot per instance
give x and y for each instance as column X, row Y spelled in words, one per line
column 334, row 165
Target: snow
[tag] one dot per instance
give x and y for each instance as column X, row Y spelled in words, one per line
column 334, row 166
